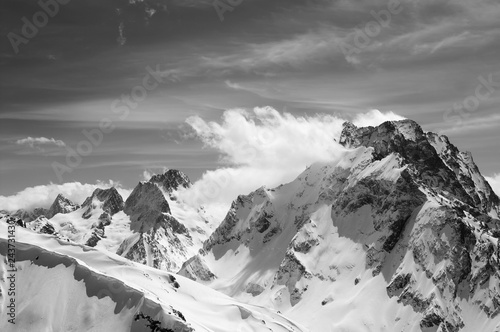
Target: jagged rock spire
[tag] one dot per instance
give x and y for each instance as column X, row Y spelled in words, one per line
column 171, row 180
column 109, row 199
column 61, row 205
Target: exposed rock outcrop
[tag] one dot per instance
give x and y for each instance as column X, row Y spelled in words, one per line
column 109, row 200
column 160, row 240
column 61, row 205
column 171, row 180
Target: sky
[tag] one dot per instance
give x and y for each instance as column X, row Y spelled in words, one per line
column 102, row 91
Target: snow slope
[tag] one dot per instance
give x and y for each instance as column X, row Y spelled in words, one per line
column 62, row 286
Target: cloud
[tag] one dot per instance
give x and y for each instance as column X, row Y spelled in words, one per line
column 494, row 182
column 265, row 147
column 374, row 118
column 427, row 31
column 44, row 195
column 232, row 85
column 38, row 142
column 148, row 173
column 474, row 124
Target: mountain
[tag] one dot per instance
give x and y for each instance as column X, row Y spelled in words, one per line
column 42, row 225
column 170, row 181
column 61, row 205
column 28, row 216
column 159, row 239
column 63, row 286
column 151, row 227
column 99, row 221
column 400, row 234
column 155, row 240
column 107, row 200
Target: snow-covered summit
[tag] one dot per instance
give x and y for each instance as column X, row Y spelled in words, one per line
column 389, row 236
column 434, row 161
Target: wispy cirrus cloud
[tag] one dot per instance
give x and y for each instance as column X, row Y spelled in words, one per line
column 425, row 32
column 474, row 124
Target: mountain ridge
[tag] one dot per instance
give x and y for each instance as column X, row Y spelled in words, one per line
column 402, row 231
column 384, row 198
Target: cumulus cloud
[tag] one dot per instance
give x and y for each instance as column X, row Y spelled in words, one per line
column 148, row 173
column 494, row 182
column 44, row 195
column 40, row 142
column 265, row 147
column 374, row 118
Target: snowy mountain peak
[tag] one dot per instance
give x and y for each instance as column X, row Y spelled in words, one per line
column 158, row 240
column 61, row 205
column 385, row 138
column 171, row 180
column 109, row 200
column 404, row 219
column 433, row 161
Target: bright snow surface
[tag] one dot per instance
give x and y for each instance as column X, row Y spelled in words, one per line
column 57, row 287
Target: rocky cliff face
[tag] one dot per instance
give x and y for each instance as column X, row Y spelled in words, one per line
column 434, row 161
column 145, row 205
column 61, row 205
column 159, row 240
column 404, row 216
column 467, row 173
column 171, row 180
column 107, row 200
column 42, row 225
